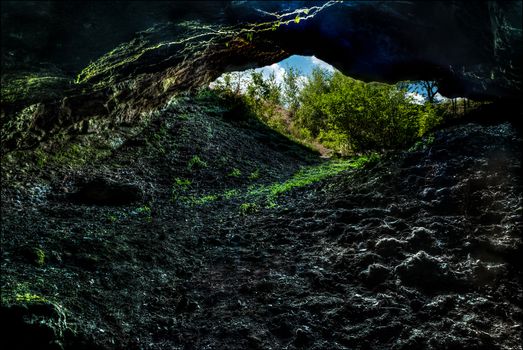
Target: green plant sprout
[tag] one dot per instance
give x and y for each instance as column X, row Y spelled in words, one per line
column 196, row 162
column 235, row 173
column 254, row 175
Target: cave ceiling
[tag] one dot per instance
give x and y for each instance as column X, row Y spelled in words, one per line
column 64, row 62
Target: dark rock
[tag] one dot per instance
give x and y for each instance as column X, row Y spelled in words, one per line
column 375, row 274
column 427, row 193
column 303, row 337
column 105, row 192
column 281, row 327
column 389, row 246
column 424, row 271
column 33, row 325
column 421, row 238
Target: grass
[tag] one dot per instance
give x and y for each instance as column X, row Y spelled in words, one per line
column 309, row 175
column 248, row 208
column 196, row 163
column 235, row 173
column 269, row 193
column 20, row 294
column 254, row 175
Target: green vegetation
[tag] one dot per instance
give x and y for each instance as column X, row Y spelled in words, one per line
column 254, row 175
column 30, row 298
column 112, row 218
column 32, row 86
column 339, row 113
column 179, row 187
column 71, row 155
column 354, row 116
column 39, row 257
column 21, row 293
column 235, row 173
column 248, row 208
column 146, row 212
column 309, row 175
column 181, row 183
column 196, row 163
column 204, row 200
column 268, row 194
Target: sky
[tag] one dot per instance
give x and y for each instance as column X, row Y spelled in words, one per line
column 305, row 65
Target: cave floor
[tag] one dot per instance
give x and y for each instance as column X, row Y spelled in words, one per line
column 418, row 250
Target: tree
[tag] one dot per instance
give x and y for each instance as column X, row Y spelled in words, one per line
column 291, row 89
column 431, row 89
column 360, row 116
column 310, row 114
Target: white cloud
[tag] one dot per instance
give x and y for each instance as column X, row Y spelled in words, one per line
column 440, row 98
column 245, row 76
column 278, row 70
column 323, row 65
column 416, row 98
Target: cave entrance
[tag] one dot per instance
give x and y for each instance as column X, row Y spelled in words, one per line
column 312, row 103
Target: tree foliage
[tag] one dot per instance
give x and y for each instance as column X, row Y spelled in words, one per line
column 343, row 114
column 362, row 116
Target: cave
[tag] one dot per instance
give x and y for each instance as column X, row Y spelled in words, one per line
column 145, row 205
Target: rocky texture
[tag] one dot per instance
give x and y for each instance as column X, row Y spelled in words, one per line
column 419, row 250
column 117, row 61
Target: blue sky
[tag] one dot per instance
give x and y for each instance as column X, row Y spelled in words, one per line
column 305, row 65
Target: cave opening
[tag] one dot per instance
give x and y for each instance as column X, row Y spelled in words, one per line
column 287, row 95
column 295, row 205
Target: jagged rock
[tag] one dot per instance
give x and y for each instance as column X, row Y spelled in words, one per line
column 389, row 246
column 423, row 271
column 33, row 325
column 421, row 238
column 375, row 274
column 121, row 71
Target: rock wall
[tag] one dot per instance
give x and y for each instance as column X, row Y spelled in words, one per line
column 67, row 63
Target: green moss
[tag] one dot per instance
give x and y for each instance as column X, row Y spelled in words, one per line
column 310, row 175
column 21, row 293
column 32, row 86
column 235, row 173
column 269, row 193
column 205, row 199
column 193, row 38
column 231, row 193
column 196, row 163
column 145, row 211
column 254, row 175
column 248, row 208
column 179, row 187
column 182, row 183
column 39, row 257
column 30, row 298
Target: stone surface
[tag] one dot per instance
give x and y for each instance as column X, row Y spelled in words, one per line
column 117, row 61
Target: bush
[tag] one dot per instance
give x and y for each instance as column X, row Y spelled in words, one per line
column 341, row 113
column 350, row 115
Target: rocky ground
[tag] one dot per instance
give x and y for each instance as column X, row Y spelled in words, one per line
column 161, row 243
